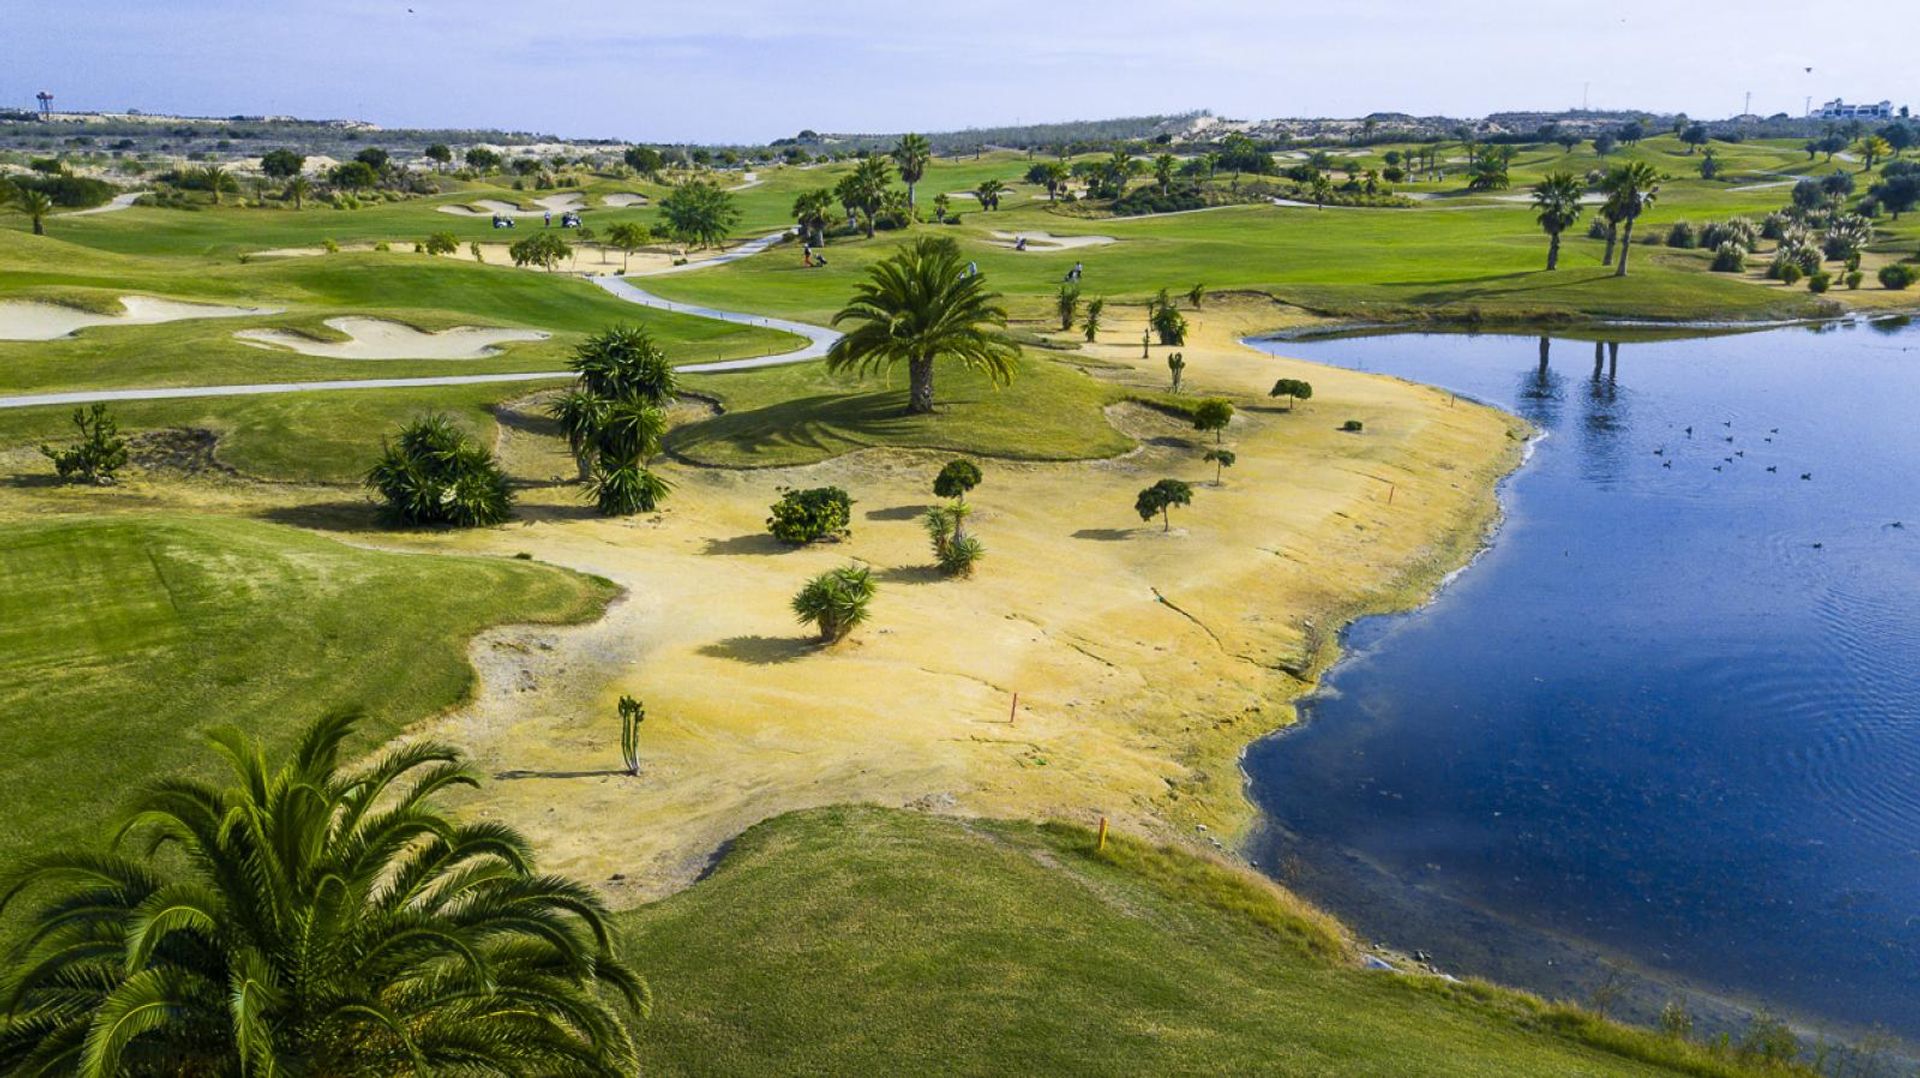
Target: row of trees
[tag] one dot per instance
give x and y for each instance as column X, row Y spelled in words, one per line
column 1630, row 189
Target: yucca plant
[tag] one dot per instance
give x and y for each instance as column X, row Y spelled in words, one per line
column 312, row 919
column 626, row 438
column 433, row 474
column 954, row 551
column 835, row 601
column 632, row 714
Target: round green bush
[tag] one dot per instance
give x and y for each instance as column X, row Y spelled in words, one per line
column 1896, row 277
column 1353, row 425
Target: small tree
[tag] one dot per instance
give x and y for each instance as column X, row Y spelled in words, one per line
column 1091, row 327
column 835, row 601
column 632, row 714
column 433, row 474
column 953, row 550
column 1160, row 498
column 1213, row 415
column 1170, row 326
column 627, row 237
column 440, row 154
column 98, row 454
column 543, row 249
column 956, row 479
column 1197, row 295
column 1176, row 366
column 441, row 243
column 1293, row 389
column 1067, row 303
column 807, row 516
column 1219, row 458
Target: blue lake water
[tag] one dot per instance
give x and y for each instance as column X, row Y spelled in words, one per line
column 1670, row 721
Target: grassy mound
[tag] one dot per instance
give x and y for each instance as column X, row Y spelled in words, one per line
column 866, row 941
column 121, row 640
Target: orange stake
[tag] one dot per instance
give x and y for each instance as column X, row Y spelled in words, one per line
column 1103, row 833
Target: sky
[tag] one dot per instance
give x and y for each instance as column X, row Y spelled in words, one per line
column 749, row 71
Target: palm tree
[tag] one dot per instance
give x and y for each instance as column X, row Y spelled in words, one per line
column 1631, row 188
column 867, row 186
column 1163, row 167
column 310, row 919
column 625, row 440
column 579, row 413
column 912, row 155
column 36, row 205
column 1057, row 174
column 810, row 211
column 989, row 193
column 624, row 363
column 1557, row 197
column 298, row 189
column 218, row 181
column 919, row 306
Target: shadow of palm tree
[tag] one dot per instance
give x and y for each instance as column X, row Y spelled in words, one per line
column 1103, row 535
column 510, row 775
column 759, row 650
column 898, row 512
column 338, row 515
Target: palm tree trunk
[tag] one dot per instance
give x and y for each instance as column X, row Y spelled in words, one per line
column 1613, row 234
column 1553, row 251
column 1626, row 242
column 910, row 202
column 39, row 225
column 920, row 386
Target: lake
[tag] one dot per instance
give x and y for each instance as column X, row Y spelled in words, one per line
column 1664, row 735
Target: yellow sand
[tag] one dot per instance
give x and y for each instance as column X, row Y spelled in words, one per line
column 1144, row 661
column 378, row 338
column 30, row 321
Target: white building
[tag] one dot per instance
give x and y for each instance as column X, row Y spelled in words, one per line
column 1840, row 110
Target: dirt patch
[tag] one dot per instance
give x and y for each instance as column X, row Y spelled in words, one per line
column 180, row 450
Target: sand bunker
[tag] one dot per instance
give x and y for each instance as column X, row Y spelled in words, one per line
column 377, row 338
column 1046, row 241
column 487, row 207
column 623, row 198
column 28, row 321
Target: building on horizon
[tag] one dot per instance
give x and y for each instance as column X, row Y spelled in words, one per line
column 1838, row 109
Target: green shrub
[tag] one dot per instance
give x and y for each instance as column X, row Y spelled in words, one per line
column 1786, row 270
column 433, row 474
column 1683, row 236
column 806, row 516
column 97, row 456
column 441, row 243
column 1729, row 257
column 1820, row 281
column 1170, row 326
column 1353, row 425
column 1896, row 277
column 1854, row 277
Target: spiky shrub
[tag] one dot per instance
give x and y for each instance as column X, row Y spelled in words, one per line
column 954, row 551
column 432, row 474
column 806, row 516
column 1091, row 327
column 1170, row 326
column 1736, row 230
column 835, row 601
column 1775, row 225
column 1197, row 295
column 1683, row 236
column 1847, row 236
column 626, row 438
column 313, row 919
column 97, row 456
column 1067, row 304
column 1729, row 257
column 632, row 714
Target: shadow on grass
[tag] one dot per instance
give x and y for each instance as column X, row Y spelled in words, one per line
column 760, row 650
column 338, row 515
column 821, row 424
column 511, row 775
column 33, row 481
column 1104, row 535
column 898, row 512
column 754, row 543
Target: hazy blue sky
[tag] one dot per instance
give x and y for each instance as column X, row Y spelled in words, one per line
column 752, row 70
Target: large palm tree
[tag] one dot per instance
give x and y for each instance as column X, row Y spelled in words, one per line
column 1630, row 188
column 1557, row 197
column 810, row 211
column 624, row 363
column 920, row 306
column 988, row 194
column 312, row 919
column 36, row 205
column 1057, row 175
column 298, row 188
column 912, row 155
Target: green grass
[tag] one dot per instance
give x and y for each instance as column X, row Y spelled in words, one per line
column 867, row 941
column 797, row 414
column 123, row 640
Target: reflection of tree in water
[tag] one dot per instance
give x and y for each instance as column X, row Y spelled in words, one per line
column 1540, row 395
column 1605, row 420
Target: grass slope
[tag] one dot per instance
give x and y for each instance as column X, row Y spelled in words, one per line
column 867, row 941
column 122, row 640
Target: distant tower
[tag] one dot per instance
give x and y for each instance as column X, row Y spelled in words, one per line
column 46, row 104
column 1748, row 110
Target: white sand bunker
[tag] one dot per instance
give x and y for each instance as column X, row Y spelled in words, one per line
column 1045, row 241
column 28, row 321
column 487, row 207
column 623, row 198
column 377, row 338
